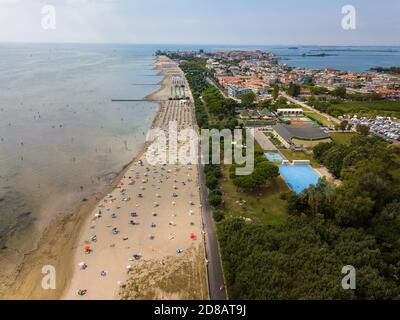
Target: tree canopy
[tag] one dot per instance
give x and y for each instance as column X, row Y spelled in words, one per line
column 302, row 259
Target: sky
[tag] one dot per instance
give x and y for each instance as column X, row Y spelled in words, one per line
column 244, row 22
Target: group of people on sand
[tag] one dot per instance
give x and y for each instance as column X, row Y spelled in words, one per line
column 135, row 186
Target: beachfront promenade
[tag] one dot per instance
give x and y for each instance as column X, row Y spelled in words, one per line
column 215, row 274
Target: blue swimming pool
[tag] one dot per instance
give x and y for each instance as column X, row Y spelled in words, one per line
column 299, row 178
column 274, row 157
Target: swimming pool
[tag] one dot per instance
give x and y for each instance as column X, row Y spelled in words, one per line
column 274, row 157
column 299, row 178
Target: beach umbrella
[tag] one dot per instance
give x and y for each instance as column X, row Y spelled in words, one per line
column 87, row 249
column 129, row 268
column 82, row 292
column 103, row 273
column 82, row 265
column 137, row 256
column 120, row 284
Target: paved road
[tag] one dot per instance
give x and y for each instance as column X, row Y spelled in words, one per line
column 264, row 142
column 306, row 106
column 214, row 266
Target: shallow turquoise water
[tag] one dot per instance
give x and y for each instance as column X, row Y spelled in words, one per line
column 274, row 157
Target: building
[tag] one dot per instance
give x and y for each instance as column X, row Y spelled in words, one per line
column 290, row 112
column 249, row 115
column 293, row 137
column 264, row 114
column 235, row 91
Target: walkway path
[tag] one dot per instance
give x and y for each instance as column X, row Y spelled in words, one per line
column 216, row 281
column 264, row 142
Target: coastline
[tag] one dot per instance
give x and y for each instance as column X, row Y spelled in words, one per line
column 57, row 243
column 164, row 234
column 60, row 243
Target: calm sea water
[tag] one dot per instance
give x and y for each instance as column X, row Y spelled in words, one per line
column 340, row 58
column 61, row 137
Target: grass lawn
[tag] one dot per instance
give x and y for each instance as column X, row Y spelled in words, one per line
column 369, row 107
column 262, row 206
column 342, row 138
column 291, row 155
column 324, row 120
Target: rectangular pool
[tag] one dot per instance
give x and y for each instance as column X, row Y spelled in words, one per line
column 274, row 157
column 299, row 178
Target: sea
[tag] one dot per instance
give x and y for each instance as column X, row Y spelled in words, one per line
column 345, row 58
column 63, row 139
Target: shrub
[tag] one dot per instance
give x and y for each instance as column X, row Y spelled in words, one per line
column 215, row 199
column 218, row 215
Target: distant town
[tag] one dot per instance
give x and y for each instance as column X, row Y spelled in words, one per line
column 326, row 163
column 333, row 99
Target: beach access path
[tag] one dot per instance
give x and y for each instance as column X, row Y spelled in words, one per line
column 264, row 142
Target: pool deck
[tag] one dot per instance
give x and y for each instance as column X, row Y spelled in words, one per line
column 264, row 142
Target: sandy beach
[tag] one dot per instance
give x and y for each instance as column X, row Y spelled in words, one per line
column 151, row 220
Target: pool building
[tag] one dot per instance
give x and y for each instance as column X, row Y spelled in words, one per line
column 293, row 137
